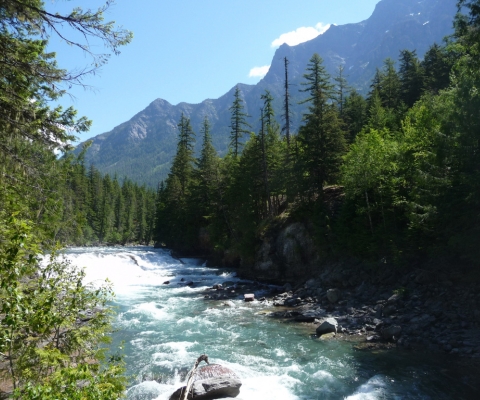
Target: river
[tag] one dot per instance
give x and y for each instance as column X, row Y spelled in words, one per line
column 164, row 329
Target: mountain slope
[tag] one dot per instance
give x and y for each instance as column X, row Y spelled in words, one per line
column 143, row 147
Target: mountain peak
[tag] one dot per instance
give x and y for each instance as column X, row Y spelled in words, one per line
column 143, row 147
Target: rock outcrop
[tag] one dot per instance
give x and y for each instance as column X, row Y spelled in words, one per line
column 285, row 255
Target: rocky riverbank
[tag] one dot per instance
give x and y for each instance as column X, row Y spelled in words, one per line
column 417, row 310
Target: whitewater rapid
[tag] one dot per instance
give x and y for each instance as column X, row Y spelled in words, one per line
column 165, row 327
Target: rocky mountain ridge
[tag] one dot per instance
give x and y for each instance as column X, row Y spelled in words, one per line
column 143, row 147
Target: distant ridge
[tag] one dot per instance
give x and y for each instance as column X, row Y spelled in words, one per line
column 143, row 147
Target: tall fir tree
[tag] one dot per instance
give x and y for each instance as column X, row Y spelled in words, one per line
column 238, row 123
column 286, row 105
column 321, row 137
column 411, row 77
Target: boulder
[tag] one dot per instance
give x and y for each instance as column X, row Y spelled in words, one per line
column 328, row 325
column 212, row 381
column 166, row 283
column 292, row 301
column 333, row 295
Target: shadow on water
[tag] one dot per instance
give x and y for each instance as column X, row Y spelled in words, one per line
column 407, row 374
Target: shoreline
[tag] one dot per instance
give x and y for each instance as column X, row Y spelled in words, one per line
column 418, row 310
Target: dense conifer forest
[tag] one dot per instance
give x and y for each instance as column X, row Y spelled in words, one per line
column 392, row 176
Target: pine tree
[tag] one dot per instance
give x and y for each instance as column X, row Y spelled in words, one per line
column 341, row 89
column 238, row 123
column 375, row 86
column 321, row 137
column 411, row 77
column 286, row 106
column 182, row 165
column 436, row 65
column 206, row 174
column 390, row 85
column 354, row 114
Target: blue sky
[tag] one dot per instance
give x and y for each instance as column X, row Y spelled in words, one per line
column 191, row 50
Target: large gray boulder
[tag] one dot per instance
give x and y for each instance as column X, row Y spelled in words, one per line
column 328, row 325
column 212, row 381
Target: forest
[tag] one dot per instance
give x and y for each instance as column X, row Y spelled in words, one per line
column 390, row 176
column 393, row 175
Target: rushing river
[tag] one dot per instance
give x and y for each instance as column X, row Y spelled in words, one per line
column 166, row 327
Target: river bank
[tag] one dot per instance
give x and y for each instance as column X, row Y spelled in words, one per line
column 418, row 310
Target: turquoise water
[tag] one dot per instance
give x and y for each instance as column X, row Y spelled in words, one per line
column 166, row 327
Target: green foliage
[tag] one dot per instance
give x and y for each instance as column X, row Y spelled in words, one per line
column 411, row 77
column 53, row 325
column 354, row 114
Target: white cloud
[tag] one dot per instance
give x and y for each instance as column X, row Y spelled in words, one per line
column 300, row 35
column 259, row 72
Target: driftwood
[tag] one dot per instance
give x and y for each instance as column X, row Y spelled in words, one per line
column 191, row 375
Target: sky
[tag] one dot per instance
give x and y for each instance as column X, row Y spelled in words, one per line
column 190, row 50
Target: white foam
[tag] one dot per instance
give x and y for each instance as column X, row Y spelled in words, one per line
column 324, row 375
column 268, row 387
column 373, row 389
column 121, row 270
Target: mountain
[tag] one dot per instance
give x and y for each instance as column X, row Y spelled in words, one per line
column 143, row 147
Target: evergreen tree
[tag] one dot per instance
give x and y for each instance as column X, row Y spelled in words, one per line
column 286, row 105
column 238, row 123
column 321, row 137
column 206, row 176
column 341, row 88
column 375, row 86
column 390, row 85
column 436, row 66
column 354, row 114
column 182, row 165
column 411, row 77
column 377, row 115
